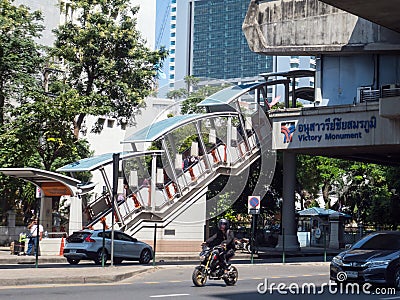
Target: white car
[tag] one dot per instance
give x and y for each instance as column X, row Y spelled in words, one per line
column 88, row 245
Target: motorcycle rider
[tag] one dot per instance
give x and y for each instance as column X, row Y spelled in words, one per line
column 224, row 237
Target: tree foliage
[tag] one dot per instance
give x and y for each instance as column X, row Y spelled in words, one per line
column 20, row 56
column 46, row 123
column 368, row 192
column 193, row 94
column 107, row 61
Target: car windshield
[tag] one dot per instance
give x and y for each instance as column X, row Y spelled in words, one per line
column 379, row 242
column 78, row 237
column 107, row 234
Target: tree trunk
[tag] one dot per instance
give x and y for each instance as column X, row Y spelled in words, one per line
column 2, row 103
column 78, row 125
column 325, row 194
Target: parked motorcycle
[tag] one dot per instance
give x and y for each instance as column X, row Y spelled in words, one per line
column 242, row 244
column 210, row 268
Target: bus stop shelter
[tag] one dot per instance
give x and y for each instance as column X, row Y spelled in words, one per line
column 53, row 184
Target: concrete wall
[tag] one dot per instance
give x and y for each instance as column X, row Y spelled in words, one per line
column 9, row 234
column 286, row 27
column 342, row 75
column 183, row 234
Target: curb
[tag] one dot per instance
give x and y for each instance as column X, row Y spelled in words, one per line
column 71, row 279
column 20, row 260
column 15, row 259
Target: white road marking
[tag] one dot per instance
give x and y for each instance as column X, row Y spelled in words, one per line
column 170, row 295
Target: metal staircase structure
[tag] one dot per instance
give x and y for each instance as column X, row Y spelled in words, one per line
column 192, row 151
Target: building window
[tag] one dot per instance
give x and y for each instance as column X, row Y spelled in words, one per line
column 110, row 123
column 169, row 231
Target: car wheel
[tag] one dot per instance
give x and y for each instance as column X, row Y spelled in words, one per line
column 73, row 261
column 396, row 278
column 99, row 257
column 145, row 256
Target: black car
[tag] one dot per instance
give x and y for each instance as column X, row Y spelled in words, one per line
column 374, row 259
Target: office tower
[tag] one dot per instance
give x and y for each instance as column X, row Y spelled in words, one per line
column 219, row 48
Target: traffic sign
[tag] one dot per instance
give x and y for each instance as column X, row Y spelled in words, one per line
column 254, row 205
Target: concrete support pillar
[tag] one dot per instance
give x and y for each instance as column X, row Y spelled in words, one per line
column 334, row 234
column 12, row 234
column 46, row 210
column 229, row 140
column 289, row 225
column 153, row 182
column 11, row 218
column 75, row 215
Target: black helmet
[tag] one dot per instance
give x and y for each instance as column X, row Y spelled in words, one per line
column 223, row 221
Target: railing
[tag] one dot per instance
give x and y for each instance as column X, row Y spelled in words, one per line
column 98, row 206
column 188, row 178
column 195, row 174
column 393, row 92
column 368, row 95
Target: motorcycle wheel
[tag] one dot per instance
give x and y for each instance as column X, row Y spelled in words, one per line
column 232, row 277
column 199, row 276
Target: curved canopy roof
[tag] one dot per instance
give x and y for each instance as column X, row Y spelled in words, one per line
column 318, row 211
column 227, row 95
column 96, row 162
column 158, row 129
column 52, row 184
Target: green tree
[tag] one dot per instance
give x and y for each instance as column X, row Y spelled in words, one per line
column 20, row 61
column 193, row 94
column 45, row 124
column 318, row 175
column 107, row 61
column 362, row 190
column 366, row 193
column 20, row 56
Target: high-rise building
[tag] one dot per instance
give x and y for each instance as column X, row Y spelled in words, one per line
column 206, row 40
column 164, row 35
column 219, row 48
